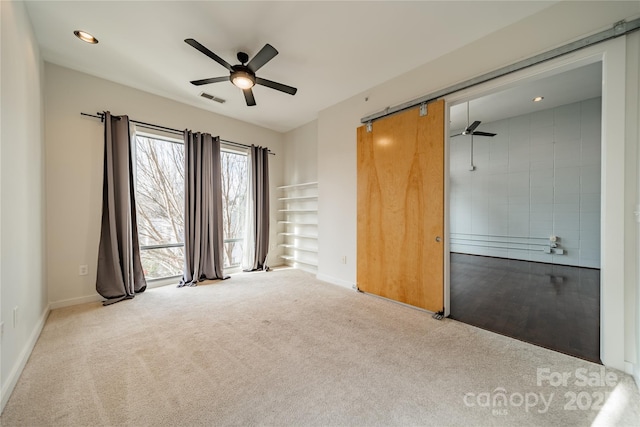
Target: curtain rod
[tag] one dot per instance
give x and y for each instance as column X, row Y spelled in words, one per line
column 166, row 129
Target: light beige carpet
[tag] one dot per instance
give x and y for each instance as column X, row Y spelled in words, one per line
column 282, row 348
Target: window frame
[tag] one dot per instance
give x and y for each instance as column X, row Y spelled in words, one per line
column 243, row 152
column 156, row 281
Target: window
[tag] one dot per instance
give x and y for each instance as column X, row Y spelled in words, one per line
column 234, row 203
column 160, row 204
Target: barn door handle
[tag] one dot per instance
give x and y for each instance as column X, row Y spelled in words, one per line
column 438, row 239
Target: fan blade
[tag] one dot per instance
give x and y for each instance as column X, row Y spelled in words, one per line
column 473, row 127
column 195, row 44
column 211, row 80
column 248, row 96
column 277, row 86
column 265, row 55
column 484, row 133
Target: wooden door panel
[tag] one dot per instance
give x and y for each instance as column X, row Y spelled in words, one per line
column 401, row 207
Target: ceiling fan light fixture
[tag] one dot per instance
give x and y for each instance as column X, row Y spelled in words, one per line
column 85, row 37
column 241, row 75
column 242, row 79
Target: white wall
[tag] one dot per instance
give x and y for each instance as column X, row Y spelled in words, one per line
column 301, row 154
column 337, row 124
column 539, row 176
column 74, row 147
column 22, row 231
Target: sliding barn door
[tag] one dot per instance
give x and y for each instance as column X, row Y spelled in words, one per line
column 401, row 207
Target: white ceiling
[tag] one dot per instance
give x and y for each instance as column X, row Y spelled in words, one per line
column 560, row 89
column 330, row 51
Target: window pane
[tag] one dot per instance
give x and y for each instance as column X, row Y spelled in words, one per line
column 163, row 262
column 233, row 253
column 160, row 205
column 159, row 191
column 234, row 200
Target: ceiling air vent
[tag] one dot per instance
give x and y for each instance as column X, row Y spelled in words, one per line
column 212, row 98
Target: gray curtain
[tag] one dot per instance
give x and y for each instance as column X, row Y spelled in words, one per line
column 120, row 275
column 259, row 204
column 203, row 235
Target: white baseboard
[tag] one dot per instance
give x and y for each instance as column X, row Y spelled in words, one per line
column 336, row 281
column 16, row 371
column 75, row 301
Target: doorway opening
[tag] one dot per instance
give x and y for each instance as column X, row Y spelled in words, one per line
column 525, row 211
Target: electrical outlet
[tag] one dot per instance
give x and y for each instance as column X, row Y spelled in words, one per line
column 343, row 259
column 83, row 270
column 1, row 329
column 15, row 316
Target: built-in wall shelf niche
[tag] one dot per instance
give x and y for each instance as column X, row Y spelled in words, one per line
column 298, row 225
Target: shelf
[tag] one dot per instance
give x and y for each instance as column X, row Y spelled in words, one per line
column 290, row 258
column 298, row 210
column 297, row 223
column 305, row 184
column 283, row 245
column 300, row 198
column 303, row 236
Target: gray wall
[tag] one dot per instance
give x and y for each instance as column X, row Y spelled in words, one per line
column 540, row 176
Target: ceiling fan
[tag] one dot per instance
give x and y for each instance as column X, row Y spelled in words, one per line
column 471, row 130
column 243, row 75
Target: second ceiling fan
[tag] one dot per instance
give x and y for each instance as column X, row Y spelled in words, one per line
column 471, row 130
column 243, row 75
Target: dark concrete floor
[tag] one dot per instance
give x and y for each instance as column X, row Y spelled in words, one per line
column 553, row 306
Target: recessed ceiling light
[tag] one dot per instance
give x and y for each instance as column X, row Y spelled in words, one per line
column 538, row 98
column 85, row 37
